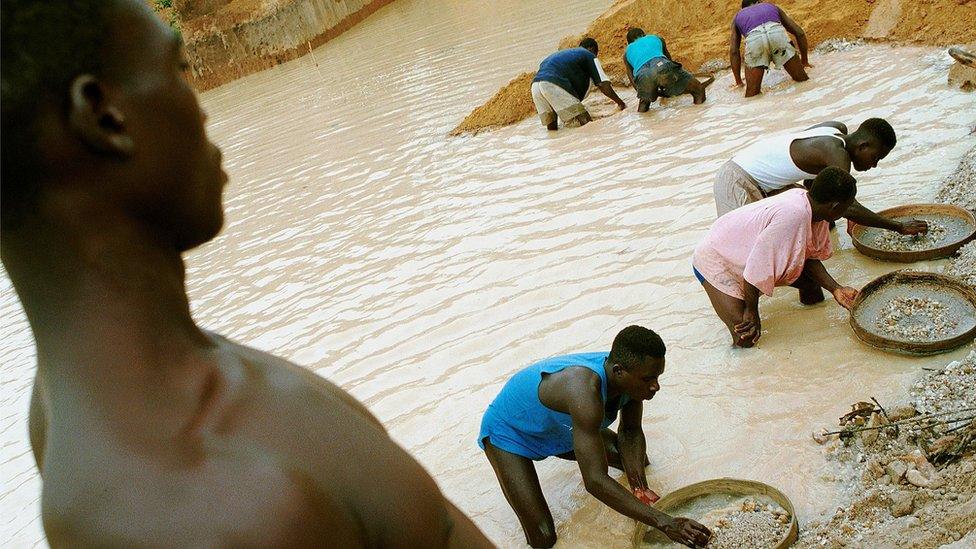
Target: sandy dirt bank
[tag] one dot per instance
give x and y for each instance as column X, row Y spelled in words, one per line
column 698, row 33
column 228, row 39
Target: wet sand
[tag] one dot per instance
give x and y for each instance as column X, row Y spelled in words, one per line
column 420, row 271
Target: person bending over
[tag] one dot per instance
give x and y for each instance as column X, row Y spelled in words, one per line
column 148, row 430
column 563, row 406
column 764, row 26
column 775, row 164
column 778, row 241
column 653, row 73
column 562, row 82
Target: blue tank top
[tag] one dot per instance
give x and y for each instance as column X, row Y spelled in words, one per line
column 642, row 50
column 518, row 422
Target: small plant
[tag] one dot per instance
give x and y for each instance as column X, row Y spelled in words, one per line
column 164, row 4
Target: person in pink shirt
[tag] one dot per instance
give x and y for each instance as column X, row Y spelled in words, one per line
column 779, row 241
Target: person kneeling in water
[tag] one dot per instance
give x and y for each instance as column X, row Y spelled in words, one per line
column 562, row 407
column 778, row 241
column 654, row 74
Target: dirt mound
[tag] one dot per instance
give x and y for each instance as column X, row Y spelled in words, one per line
column 697, row 32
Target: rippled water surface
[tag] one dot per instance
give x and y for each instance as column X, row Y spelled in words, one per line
column 420, row 271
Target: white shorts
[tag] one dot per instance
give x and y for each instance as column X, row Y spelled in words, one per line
column 551, row 101
column 768, row 44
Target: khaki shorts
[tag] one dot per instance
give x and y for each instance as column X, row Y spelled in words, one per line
column 768, row 44
column 551, row 101
column 734, row 188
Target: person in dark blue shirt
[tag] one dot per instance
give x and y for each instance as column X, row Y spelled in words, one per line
column 562, row 82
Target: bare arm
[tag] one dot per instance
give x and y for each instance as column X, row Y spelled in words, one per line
column 632, row 445
column 845, row 296
column 664, row 48
column 863, row 216
column 750, row 328
column 587, row 414
column 735, row 57
column 607, row 90
column 630, row 73
column 795, row 30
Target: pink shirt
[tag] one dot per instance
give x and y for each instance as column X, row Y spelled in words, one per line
column 765, row 243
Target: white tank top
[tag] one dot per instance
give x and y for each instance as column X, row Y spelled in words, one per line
column 768, row 161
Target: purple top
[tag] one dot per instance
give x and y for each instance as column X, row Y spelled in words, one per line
column 755, row 15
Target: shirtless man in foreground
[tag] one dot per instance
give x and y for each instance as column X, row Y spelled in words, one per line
column 147, row 430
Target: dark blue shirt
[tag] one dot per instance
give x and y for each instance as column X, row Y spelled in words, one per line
column 571, row 70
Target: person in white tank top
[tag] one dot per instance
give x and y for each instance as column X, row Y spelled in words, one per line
column 775, row 164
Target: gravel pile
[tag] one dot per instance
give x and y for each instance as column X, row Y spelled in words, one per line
column 750, row 524
column 838, row 44
column 949, row 389
column 904, row 492
column 964, row 266
column 894, row 242
column 916, row 319
column 959, row 188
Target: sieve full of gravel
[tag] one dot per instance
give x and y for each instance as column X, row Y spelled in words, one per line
column 916, row 319
column 894, row 242
column 750, row 524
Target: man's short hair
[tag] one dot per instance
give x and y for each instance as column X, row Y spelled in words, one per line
column 589, row 44
column 747, row 3
column 43, row 47
column 633, row 344
column 833, row 185
column 879, row 129
column 634, row 33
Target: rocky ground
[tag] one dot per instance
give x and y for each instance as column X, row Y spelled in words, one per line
column 960, row 187
column 911, row 467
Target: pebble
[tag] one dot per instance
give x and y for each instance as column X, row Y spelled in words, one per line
column 901, row 503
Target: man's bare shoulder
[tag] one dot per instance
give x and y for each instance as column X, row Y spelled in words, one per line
column 282, row 375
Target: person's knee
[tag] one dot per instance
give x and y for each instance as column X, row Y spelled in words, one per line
column 542, row 535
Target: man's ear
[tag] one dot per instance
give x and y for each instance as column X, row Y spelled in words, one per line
column 95, row 119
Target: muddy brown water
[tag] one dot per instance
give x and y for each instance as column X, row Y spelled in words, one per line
column 420, row 271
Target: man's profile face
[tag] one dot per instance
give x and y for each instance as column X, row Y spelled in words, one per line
column 174, row 172
column 640, row 382
column 867, row 155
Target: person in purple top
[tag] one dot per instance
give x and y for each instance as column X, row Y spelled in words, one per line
column 765, row 26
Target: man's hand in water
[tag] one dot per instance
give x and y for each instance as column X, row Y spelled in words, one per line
column 749, row 328
column 646, row 495
column 915, row 226
column 687, row 532
column 845, row 296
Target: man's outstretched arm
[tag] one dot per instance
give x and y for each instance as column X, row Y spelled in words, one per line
column 863, row 216
column 607, row 90
column 632, row 444
column 844, row 295
column 587, row 414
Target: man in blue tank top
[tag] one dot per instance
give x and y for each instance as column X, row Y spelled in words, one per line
column 653, row 74
column 563, row 407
